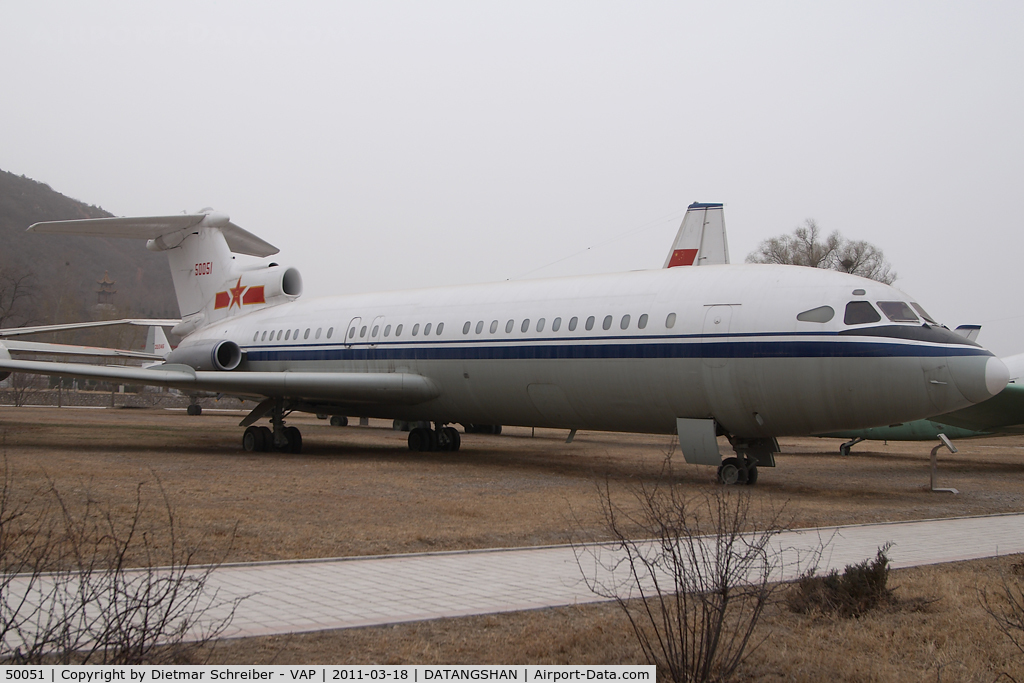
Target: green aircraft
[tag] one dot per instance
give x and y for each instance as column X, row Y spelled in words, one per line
column 1001, row 414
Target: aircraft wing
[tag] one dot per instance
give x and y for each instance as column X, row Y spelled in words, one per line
column 73, row 350
column 36, row 329
column 342, row 387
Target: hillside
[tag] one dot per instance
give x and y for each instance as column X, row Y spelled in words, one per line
column 65, row 269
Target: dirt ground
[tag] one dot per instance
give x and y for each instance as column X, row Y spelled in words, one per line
column 360, row 491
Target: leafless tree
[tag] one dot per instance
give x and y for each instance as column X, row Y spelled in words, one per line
column 808, row 247
column 692, row 572
column 81, row 584
column 17, row 291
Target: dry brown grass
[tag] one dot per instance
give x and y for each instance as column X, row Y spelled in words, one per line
column 360, row 491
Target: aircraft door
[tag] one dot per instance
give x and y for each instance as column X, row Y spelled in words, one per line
column 352, row 331
column 714, row 338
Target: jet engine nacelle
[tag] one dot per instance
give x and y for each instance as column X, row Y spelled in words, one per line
column 208, row 354
column 278, row 284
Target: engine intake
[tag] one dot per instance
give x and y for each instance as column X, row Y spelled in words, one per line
column 208, row 354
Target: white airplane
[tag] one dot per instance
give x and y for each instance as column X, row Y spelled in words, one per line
column 749, row 351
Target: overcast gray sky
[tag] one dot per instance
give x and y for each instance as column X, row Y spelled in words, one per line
column 388, row 145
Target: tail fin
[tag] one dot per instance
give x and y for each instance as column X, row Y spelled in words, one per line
column 208, row 283
column 156, row 342
column 701, row 238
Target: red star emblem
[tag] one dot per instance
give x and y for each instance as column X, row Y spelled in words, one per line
column 236, row 294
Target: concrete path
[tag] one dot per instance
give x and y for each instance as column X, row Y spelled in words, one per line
column 313, row 595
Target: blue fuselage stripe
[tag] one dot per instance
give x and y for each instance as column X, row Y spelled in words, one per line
column 607, row 351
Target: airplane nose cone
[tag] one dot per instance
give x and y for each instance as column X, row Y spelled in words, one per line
column 978, row 377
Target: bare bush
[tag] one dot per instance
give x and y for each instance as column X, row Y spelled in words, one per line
column 1006, row 605
column 859, row 589
column 84, row 584
column 691, row 572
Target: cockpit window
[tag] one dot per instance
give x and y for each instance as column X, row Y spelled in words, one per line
column 898, row 312
column 924, row 313
column 860, row 312
column 821, row 314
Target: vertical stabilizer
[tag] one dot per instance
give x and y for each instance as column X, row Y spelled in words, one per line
column 207, row 281
column 701, row 238
column 156, row 342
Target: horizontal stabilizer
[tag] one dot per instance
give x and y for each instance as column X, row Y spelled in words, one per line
column 170, row 230
column 970, row 332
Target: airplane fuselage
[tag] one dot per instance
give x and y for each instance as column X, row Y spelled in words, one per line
column 630, row 351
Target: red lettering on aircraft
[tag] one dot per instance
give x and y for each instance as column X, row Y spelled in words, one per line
column 682, row 257
column 204, row 268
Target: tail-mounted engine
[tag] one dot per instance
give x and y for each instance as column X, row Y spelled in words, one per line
column 208, row 354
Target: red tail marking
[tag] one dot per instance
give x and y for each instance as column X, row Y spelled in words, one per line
column 223, row 300
column 254, row 295
column 682, row 257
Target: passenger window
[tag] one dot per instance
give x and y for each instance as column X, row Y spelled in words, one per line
column 351, row 332
column 494, row 326
column 426, row 329
column 256, row 336
column 540, row 325
column 465, row 328
column 264, row 338
column 362, row 331
column 860, row 312
column 556, row 324
column 376, row 329
column 415, row 329
column 440, row 327
column 525, row 327
column 398, row 331
column 572, row 323
column 898, row 312
column 821, row 314
column 624, row 323
column 287, row 335
column 670, row 321
column 480, row 327
column 318, row 331
column 330, row 331
column 509, row 325
column 590, row 323
column 306, row 335
column 387, row 330
column 607, row 324
column 296, row 335
column 642, row 322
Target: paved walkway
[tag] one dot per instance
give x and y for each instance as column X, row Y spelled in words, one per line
column 313, row 595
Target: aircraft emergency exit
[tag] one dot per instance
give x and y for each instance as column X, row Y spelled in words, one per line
column 748, row 351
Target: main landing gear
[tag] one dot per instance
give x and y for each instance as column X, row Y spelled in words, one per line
column 750, row 452
column 440, row 438
column 734, row 471
column 262, row 439
column 844, row 449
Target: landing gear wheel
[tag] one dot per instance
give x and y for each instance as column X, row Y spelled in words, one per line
column 731, row 472
column 419, row 440
column 252, row 440
column 844, row 450
column 268, row 438
column 194, row 409
column 454, row 440
column 339, row 421
column 294, row 437
column 751, row 474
